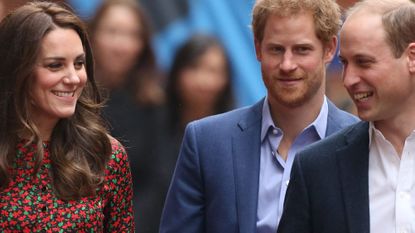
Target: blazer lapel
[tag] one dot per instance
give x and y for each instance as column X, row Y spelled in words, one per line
column 246, row 159
column 336, row 119
column 353, row 162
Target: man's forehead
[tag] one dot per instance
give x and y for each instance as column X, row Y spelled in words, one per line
column 362, row 20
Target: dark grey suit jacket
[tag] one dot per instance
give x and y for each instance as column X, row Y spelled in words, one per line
column 328, row 190
column 215, row 183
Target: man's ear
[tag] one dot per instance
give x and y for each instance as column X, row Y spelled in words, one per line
column 411, row 57
column 330, row 49
column 258, row 49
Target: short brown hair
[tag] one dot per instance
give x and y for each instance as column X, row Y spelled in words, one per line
column 398, row 20
column 326, row 14
column 400, row 28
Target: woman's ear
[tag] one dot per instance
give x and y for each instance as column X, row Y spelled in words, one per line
column 411, row 57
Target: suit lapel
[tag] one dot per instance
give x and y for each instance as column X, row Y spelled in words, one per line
column 246, row 157
column 353, row 162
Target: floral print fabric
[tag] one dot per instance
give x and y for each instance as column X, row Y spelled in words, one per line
column 28, row 204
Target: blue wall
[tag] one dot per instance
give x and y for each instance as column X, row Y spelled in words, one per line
column 230, row 21
column 227, row 19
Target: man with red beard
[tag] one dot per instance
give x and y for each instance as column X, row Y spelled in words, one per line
column 234, row 168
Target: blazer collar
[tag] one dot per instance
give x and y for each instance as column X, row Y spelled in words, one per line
column 246, row 149
column 336, row 119
column 353, row 163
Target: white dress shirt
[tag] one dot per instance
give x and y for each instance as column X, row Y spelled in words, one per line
column 391, row 185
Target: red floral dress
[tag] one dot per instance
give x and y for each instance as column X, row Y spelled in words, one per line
column 28, row 204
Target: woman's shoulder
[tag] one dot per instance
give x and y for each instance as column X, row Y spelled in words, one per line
column 119, row 157
column 115, row 144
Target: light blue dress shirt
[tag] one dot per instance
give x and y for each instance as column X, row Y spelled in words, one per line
column 274, row 172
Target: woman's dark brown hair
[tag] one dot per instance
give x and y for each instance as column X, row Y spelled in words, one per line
column 79, row 145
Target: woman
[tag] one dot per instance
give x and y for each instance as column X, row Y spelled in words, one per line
column 199, row 83
column 126, row 67
column 59, row 168
column 121, row 38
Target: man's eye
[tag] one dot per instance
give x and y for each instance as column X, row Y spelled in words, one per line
column 302, row 50
column 277, row 49
column 363, row 62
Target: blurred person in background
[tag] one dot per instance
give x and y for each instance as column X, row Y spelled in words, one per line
column 121, row 39
column 7, row 6
column 126, row 67
column 60, row 170
column 198, row 85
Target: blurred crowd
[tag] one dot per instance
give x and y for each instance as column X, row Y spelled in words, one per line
column 148, row 107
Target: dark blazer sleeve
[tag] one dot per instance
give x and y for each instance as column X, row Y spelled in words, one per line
column 183, row 209
column 298, row 213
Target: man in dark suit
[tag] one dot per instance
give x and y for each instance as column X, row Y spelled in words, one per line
column 362, row 179
column 233, row 169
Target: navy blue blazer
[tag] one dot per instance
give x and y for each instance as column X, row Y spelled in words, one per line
column 215, row 184
column 329, row 189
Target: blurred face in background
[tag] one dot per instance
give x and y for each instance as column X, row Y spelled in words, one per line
column 118, row 41
column 205, row 81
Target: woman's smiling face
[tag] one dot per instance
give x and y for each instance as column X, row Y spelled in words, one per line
column 59, row 76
